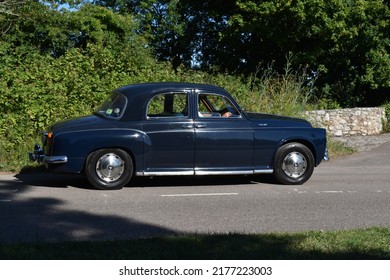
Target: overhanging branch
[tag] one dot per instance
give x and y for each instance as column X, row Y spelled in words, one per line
column 8, row 7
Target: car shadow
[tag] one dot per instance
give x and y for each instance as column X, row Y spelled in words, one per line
column 177, row 181
column 38, row 176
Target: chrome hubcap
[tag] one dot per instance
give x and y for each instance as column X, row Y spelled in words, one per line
column 294, row 165
column 110, row 167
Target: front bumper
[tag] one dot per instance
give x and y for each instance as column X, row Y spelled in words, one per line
column 39, row 155
column 326, row 155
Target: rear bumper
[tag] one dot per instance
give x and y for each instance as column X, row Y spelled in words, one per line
column 39, row 155
column 55, row 159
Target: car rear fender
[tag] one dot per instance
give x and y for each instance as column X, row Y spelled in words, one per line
column 77, row 145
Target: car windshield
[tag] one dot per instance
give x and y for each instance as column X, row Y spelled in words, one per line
column 113, row 107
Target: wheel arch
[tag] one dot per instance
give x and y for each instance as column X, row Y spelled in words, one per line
column 310, row 145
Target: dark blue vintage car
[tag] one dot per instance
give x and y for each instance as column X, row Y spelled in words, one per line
column 160, row 129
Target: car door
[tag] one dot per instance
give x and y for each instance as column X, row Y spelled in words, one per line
column 169, row 128
column 223, row 137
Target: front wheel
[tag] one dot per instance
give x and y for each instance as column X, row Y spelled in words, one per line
column 109, row 169
column 293, row 164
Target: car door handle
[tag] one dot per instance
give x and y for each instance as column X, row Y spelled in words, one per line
column 187, row 126
column 200, row 125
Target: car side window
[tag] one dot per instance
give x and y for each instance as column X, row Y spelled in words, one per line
column 215, row 105
column 168, row 105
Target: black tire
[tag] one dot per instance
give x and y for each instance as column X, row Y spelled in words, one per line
column 293, row 164
column 109, row 169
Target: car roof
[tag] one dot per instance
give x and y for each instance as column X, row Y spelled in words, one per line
column 142, row 88
column 138, row 94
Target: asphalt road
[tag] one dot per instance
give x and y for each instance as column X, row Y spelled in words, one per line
column 345, row 193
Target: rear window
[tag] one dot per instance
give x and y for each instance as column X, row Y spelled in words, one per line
column 113, row 107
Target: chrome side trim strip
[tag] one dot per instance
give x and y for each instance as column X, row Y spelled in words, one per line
column 263, row 171
column 165, row 173
column 204, row 172
column 230, row 172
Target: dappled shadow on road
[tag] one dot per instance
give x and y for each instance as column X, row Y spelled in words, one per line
column 41, row 219
column 34, row 227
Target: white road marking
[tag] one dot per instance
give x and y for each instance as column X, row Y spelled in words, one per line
column 330, row 192
column 198, row 194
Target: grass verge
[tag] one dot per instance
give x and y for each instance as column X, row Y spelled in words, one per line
column 371, row 243
column 337, row 149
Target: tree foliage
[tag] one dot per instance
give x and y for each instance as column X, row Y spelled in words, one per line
column 56, row 64
column 345, row 42
column 8, row 13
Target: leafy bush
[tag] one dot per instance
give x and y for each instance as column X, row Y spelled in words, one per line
column 386, row 125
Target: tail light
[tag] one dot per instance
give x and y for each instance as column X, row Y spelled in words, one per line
column 47, row 139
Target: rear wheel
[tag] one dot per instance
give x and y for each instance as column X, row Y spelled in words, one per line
column 293, row 164
column 109, row 169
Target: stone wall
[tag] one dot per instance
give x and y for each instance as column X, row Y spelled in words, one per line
column 349, row 122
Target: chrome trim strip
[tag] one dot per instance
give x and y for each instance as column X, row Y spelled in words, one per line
column 204, row 172
column 230, row 172
column 263, row 171
column 165, row 173
column 55, row 159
